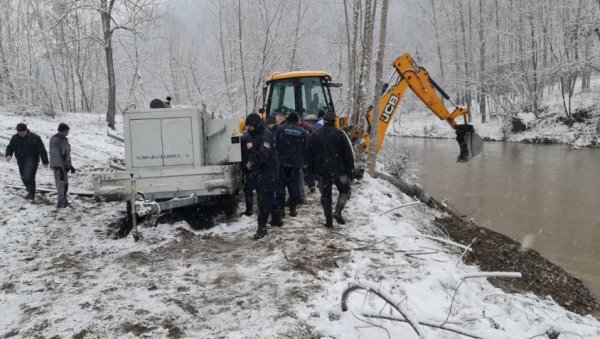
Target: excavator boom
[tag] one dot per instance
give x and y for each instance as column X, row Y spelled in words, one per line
column 411, row 75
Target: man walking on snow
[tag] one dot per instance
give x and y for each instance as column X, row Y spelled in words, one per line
column 28, row 148
column 330, row 158
column 290, row 141
column 60, row 161
column 263, row 162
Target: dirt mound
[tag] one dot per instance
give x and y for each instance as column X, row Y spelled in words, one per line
column 496, row 252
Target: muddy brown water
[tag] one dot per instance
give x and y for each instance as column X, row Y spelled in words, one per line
column 544, row 195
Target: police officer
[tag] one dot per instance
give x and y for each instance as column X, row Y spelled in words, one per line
column 249, row 175
column 291, row 141
column 263, row 161
column 331, row 159
column 28, row 148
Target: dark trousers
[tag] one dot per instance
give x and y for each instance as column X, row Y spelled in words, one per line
column 289, row 177
column 265, row 189
column 61, row 179
column 249, row 185
column 326, row 185
column 27, row 169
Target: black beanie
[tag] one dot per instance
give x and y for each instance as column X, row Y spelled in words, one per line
column 253, row 119
column 63, row 127
column 21, row 127
column 329, row 115
column 292, row 117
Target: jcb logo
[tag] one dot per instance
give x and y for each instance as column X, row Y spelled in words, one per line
column 389, row 109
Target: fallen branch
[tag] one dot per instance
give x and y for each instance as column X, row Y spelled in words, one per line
column 402, row 206
column 450, row 328
column 492, row 275
column 390, row 299
column 449, row 242
column 465, row 251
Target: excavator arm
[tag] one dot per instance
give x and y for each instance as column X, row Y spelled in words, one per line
column 411, row 75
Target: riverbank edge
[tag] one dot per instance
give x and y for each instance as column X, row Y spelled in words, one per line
column 493, row 251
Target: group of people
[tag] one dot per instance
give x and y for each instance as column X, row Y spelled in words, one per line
column 29, row 149
column 278, row 153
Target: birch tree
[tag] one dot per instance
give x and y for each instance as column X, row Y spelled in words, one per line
column 378, row 87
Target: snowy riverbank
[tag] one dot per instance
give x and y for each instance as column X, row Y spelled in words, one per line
column 62, row 274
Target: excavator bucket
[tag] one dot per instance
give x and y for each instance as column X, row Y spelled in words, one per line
column 470, row 143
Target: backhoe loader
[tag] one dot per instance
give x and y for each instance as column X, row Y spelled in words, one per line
column 410, row 75
column 307, row 92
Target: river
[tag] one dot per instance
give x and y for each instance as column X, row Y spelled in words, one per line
column 547, row 194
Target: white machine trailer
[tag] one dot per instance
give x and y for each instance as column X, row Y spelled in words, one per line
column 174, row 157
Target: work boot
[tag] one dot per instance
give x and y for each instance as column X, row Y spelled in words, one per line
column 261, row 232
column 276, row 218
column 328, row 219
column 249, row 208
column 29, row 196
column 338, row 217
column 293, row 211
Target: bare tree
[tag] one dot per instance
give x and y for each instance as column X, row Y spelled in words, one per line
column 378, row 87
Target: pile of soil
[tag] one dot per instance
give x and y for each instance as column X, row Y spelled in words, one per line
column 496, row 252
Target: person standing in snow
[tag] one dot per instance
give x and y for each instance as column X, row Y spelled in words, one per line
column 60, row 161
column 263, row 161
column 28, row 148
column 249, row 175
column 290, row 141
column 331, row 159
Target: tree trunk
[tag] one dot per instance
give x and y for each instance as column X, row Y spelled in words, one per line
column 223, row 53
column 378, row 87
column 106, row 15
column 365, row 65
column 242, row 55
column 482, row 89
column 438, row 42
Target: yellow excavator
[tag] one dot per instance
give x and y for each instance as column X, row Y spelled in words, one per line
column 307, row 92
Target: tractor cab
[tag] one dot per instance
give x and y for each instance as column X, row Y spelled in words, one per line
column 302, row 92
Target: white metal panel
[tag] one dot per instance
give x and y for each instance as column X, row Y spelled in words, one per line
column 146, row 143
column 177, row 143
column 222, row 138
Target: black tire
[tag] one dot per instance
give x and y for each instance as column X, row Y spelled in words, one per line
column 228, row 204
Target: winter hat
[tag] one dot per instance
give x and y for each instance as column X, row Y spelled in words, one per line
column 253, row 119
column 321, row 114
column 21, row 127
column 329, row 116
column 292, row 117
column 63, row 127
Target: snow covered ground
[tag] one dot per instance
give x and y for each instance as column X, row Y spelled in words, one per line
column 61, row 275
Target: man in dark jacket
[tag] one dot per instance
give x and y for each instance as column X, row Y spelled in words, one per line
column 28, row 148
column 263, row 161
column 60, row 161
column 330, row 158
column 290, row 141
column 249, row 175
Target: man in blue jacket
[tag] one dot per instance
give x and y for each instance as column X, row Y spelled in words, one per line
column 263, row 162
column 28, row 148
column 291, row 141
